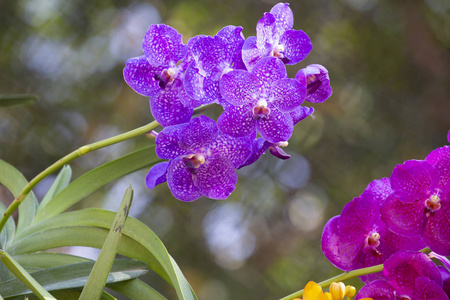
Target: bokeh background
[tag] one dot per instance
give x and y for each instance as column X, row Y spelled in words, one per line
column 389, row 66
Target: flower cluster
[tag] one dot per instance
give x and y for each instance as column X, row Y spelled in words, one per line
column 390, row 220
column 246, row 77
column 338, row 291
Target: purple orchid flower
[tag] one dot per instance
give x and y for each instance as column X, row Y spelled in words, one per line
column 317, row 82
column 260, row 145
column 212, row 57
column 261, row 100
column 202, row 160
column 359, row 238
column 275, row 37
column 159, row 75
column 409, row 276
column 420, row 204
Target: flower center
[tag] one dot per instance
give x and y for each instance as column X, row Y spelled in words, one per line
column 277, row 51
column 373, row 240
column 260, row 110
column 432, row 205
column 193, row 161
column 166, row 77
column 312, row 83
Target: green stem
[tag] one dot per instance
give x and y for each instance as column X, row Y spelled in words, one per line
column 77, row 153
column 345, row 276
column 68, row 158
column 342, row 277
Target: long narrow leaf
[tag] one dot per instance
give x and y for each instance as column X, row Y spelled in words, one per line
column 17, row 99
column 60, row 183
column 7, row 234
column 24, row 277
column 133, row 289
column 95, row 179
column 15, row 182
column 157, row 256
column 136, row 289
column 99, row 274
column 74, row 276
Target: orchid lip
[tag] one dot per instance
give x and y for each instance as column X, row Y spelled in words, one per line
column 432, row 204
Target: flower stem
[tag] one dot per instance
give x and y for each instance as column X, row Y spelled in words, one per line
column 345, row 276
column 68, row 158
column 342, row 277
column 77, row 153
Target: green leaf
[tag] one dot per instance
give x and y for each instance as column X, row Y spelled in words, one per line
column 45, row 260
column 15, row 182
column 23, row 277
column 75, row 228
column 133, row 289
column 95, row 179
column 74, row 276
column 136, row 289
column 7, row 234
column 17, row 99
column 97, row 279
column 60, row 183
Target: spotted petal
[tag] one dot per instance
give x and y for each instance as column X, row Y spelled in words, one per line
column 180, row 181
column 237, row 121
column 403, row 218
column 167, row 143
column 297, row 46
column 277, row 127
column 167, row 108
column 379, row 289
column 216, row 179
column 198, row 134
column 268, row 70
column 413, row 180
column 140, row 76
column 251, row 54
column 288, row 94
column 284, row 18
column 403, row 268
column 426, row 289
column 237, row 150
column 163, row 46
column 234, row 42
column 239, row 87
column 440, row 159
column 436, row 234
column 265, row 31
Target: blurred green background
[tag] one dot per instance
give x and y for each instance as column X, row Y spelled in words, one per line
column 389, row 66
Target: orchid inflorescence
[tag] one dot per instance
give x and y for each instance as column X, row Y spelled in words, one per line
column 387, row 224
column 247, row 77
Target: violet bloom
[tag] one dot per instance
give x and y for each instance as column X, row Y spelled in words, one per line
column 260, row 145
column 409, row 276
column 358, row 238
column 260, row 100
column 420, row 204
column 275, row 37
column 159, row 75
column 211, row 58
column 202, row 160
column 317, row 82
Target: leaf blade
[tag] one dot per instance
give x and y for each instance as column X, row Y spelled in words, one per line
column 15, row 182
column 99, row 274
column 96, row 178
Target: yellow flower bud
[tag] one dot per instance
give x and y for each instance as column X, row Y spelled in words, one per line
column 337, row 290
column 350, row 291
